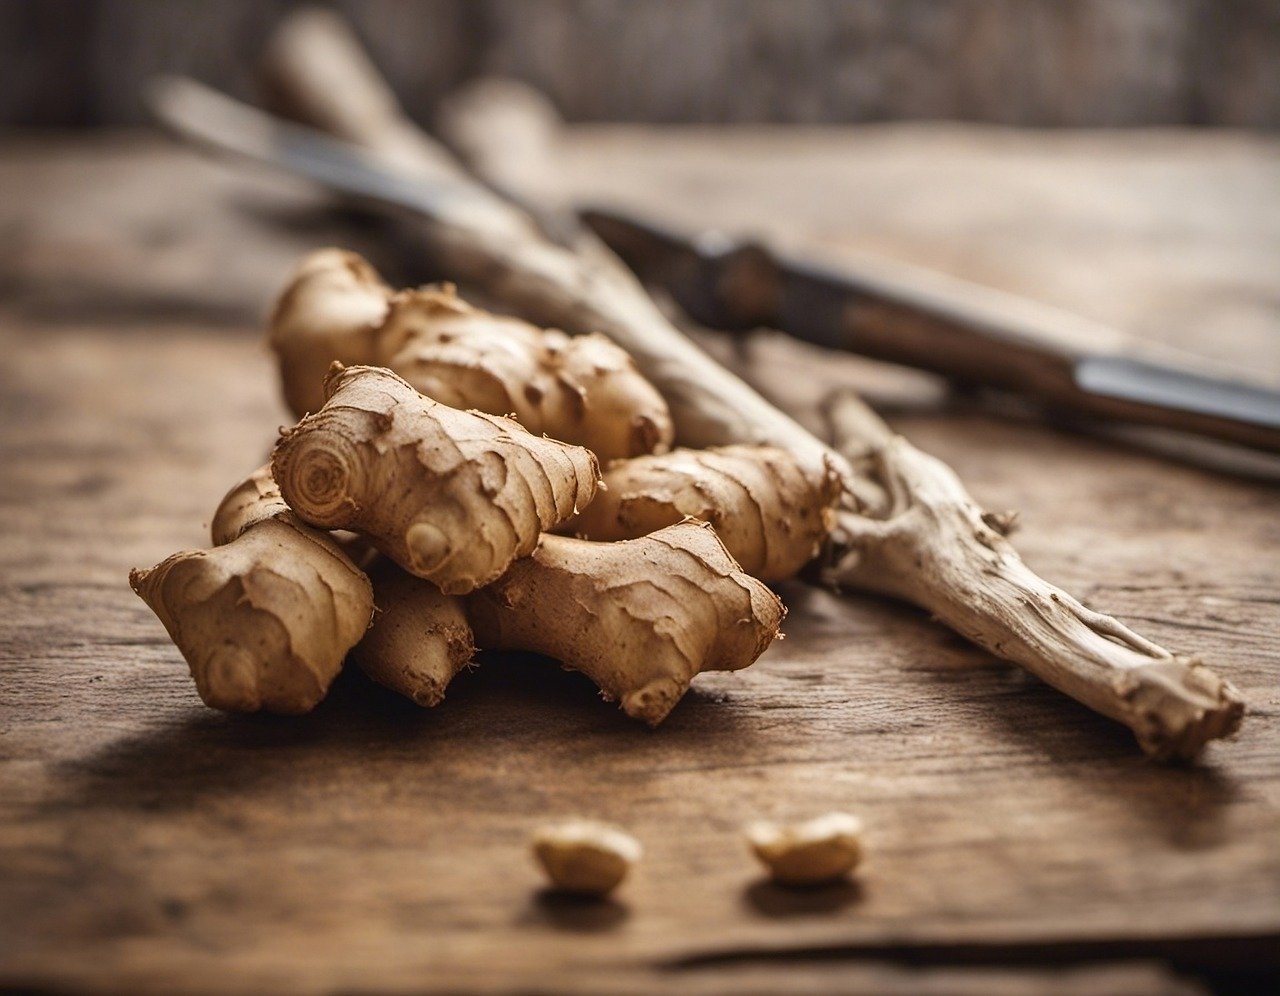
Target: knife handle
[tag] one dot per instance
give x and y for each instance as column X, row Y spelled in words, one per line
column 984, row 337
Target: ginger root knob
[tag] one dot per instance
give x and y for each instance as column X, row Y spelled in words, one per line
column 264, row 620
column 453, row 497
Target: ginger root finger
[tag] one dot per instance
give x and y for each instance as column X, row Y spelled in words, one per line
column 770, row 514
column 583, row 390
column 264, row 620
column 453, row 497
column 331, row 309
column 419, row 639
column 640, row 618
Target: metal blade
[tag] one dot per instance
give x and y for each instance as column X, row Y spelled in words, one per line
column 210, row 119
column 1167, row 387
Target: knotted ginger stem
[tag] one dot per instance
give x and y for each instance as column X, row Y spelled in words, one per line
column 927, row 542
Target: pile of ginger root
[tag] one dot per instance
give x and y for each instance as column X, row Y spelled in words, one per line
column 461, row 481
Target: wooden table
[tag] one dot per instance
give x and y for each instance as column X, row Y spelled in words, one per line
column 1018, row 843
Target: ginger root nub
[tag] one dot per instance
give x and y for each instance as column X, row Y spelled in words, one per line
column 770, row 514
column 265, row 619
column 640, row 618
column 583, row 390
column 332, row 309
column 453, row 497
column 420, row 638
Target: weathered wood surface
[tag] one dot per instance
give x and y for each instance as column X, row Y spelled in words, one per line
column 1018, row 842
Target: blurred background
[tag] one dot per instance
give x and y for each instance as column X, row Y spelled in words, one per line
column 1022, row 62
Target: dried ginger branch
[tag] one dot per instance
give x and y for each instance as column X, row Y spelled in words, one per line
column 929, row 544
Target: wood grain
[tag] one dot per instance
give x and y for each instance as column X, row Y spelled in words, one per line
column 1017, row 842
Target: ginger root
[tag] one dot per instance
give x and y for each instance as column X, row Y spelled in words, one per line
column 582, row 390
column 265, row 618
column 331, row 310
column 453, row 497
column 419, row 639
column 640, row 618
column 770, row 514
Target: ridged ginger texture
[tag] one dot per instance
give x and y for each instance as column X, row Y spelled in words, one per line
column 583, row 390
column 265, row 618
column 420, row 638
column 640, row 618
column 453, row 497
column 770, row 513
column 332, row 308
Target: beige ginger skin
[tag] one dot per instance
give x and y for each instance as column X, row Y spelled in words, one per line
column 640, row 618
column 419, row 639
column 585, row 856
column 453, row 497
column 332, row 308
column 583, row 390
column 770, row 513
column 265, row 618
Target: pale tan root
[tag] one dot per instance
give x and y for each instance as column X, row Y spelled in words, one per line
column 419, row 639
column 453, row 497
column 265, row 620
column 928, row 542
column 583, row 390
column 327, row 80
column 640, row 618
column 770, row 514
column 331, row 309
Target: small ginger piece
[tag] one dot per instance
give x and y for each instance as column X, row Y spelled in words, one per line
column 332, row 309
column 584, row 390
column 770, row 514
column 453, row 497
column 639, row 618
column 585, row 856
column 265, row 618
column 419, row 639
column 818, row 850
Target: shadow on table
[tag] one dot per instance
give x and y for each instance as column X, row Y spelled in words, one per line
column 782, row 902
column 510, row 708
column 574, row 913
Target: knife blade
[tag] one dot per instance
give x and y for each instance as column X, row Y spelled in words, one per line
column 213, row 121
column 970, row 334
